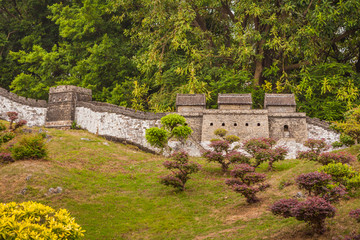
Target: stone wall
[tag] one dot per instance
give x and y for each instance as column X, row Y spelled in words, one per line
column 242, row 123
column 31, row 110
column 115, row 122
column 288, row 125
column 318, row 129
column 68, row 103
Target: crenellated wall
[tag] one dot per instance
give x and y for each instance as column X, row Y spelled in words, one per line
column 114, row 122
column 69, row 103
column 33, row 111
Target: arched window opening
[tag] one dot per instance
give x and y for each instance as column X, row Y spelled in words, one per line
column 223, row 124
column 211, row 124
column 258, row 124
column 235, row 124
column 246, row 124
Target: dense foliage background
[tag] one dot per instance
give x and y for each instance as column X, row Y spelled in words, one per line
column 140, row 53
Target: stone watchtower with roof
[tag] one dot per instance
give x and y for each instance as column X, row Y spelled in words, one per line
column 278, row 119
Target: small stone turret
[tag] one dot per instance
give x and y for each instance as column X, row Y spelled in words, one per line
column 190, row 102
column 234, row 101
column 280, row 103
column 62, row 105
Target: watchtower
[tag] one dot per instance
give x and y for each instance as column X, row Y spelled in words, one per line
column 62, row 105
column 280, row 103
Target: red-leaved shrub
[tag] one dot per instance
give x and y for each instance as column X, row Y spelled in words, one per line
column 181, row 168
column 314, row 211
column 336, row 157
column 284, row 207
column 244, row 176
column 222, row 154
column 313, row 182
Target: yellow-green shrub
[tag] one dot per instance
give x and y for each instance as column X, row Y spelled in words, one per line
column 31, row 220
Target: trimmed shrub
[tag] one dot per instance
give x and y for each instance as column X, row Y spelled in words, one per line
column 20, row 124
column 254, row 144
column 316, row 145
column 313, row 182
column 157, row 137
column 232, row 138
column 173, row 126
column 30, row 220
column 237, row 157
column 181, row 169
column 220, row 132
column 314, row 211
column 339, row 172
column 307, row 155
column 244, row 176
column 335, row 157
column 270, row 155
column 13, row 116
column 29, row 147
column 172, row 120
column 284, row 207
column 261, row 149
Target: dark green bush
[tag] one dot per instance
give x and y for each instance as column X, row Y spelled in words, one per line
column 29, row 147
column 6, row 137
column 347, row 140
column 337, row 144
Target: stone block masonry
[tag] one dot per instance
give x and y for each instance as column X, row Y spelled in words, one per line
column 278, row 120
column 31, row 110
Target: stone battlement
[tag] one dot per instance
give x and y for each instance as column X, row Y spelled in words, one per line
column 22, row 100
column 69, row 104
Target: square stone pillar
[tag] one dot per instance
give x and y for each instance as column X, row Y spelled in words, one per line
column 62, row 105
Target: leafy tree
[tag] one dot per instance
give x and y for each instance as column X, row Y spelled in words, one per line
column 351, row 124
column 173, row 126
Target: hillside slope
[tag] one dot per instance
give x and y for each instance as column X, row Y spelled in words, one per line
column 113, row 191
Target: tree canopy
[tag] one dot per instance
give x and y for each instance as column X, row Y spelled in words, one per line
column 155, row 49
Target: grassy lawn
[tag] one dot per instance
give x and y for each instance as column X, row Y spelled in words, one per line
column 113, row 191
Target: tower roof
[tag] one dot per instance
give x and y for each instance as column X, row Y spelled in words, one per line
column 190, row 100
column 272, row 99
column 235, row 99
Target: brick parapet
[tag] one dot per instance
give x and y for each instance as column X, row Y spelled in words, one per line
column 22, row 100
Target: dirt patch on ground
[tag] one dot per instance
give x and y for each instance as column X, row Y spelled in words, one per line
column 217, row 234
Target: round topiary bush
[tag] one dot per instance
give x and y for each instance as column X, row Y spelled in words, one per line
column 31, row 220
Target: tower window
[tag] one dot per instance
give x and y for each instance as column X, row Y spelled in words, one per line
column 258, row 124
column 246, row 124
column 211, row 124
column 235, row 124
column 223, row 124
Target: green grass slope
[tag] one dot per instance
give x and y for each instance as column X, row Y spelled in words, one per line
column 113, row 191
